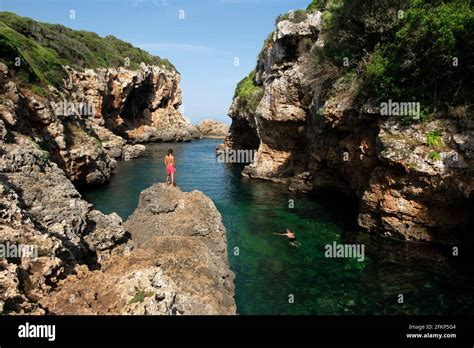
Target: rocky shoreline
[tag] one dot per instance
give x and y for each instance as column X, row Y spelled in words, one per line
column 98, row 116
column 89, row 263
column 86, row 262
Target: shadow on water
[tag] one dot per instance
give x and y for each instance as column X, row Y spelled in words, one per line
column 273, row 277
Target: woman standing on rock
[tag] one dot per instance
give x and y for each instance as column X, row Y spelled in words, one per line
column 170, row 169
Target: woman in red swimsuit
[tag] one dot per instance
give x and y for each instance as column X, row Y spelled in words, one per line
column 170, row 169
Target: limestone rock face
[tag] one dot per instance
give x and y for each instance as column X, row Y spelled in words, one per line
column 69, row 141
column 186, row 229
column 132, row 151
column 87, row 263
column 141, row 105
column 311, row 135
column 41, row 208
column 179, row 264
column 213, row 129
column 276, row 128
column 86, row 124
column 418, row 191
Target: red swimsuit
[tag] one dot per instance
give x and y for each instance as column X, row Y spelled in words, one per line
column 170, row 169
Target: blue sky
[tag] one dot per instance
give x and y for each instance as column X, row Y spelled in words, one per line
column 203, row 46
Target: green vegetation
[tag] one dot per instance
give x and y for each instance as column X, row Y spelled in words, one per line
column 434, row 139
column 39, row 146
column 42, row 63
column 140, row 296
column 316, row 5
column 404, row 50
column 77, row 135
column 435, row 156
column 39, row 90
column 45, row 48
column 266, row 46
column 294, row 16
column 249, row 92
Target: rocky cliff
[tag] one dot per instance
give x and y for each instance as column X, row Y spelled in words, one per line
column 138, row 105
column 305, row 118
column 64, row 124
column 90, row 122
column 185, row 233
column 86, row 108
column 81, row 261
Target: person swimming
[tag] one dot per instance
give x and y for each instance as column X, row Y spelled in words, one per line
column 170, row 169
column 289, row 234
column 291, row 237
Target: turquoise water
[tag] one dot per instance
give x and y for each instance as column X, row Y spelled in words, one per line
column 273, row 277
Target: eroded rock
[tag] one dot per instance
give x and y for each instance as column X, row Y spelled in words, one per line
column 213, row 129
column 312, row 135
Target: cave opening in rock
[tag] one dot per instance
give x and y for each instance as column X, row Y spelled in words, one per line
column 243, row 136
column 135, row 111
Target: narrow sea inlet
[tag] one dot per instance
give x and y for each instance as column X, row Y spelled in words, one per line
column 274, row 277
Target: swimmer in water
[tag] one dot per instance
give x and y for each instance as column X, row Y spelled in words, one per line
column 291, row 237
column 290, row 234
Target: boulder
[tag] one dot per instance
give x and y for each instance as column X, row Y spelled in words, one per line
column 178, row 267
column 213, row 129
column 133, row 151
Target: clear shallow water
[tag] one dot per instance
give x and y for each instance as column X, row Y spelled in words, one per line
column 269, row 271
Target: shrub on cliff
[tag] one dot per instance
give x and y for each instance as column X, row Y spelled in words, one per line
column 44, row 48
column 42, row 64
column 430, row 59
column 293, row 16
column 405, row 50
column 317, row 5
column 249, row 92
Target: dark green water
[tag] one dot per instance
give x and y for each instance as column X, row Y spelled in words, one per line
column 269, row 271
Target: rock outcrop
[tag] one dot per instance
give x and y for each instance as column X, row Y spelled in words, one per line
column 179, row 264
column 141, row 106
column 69, row 141
column 132, row 151
column 213, row 129
column 41, row 209
column 185, row 232
column 85, row 125
column 310, row 134
column 84, row 262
